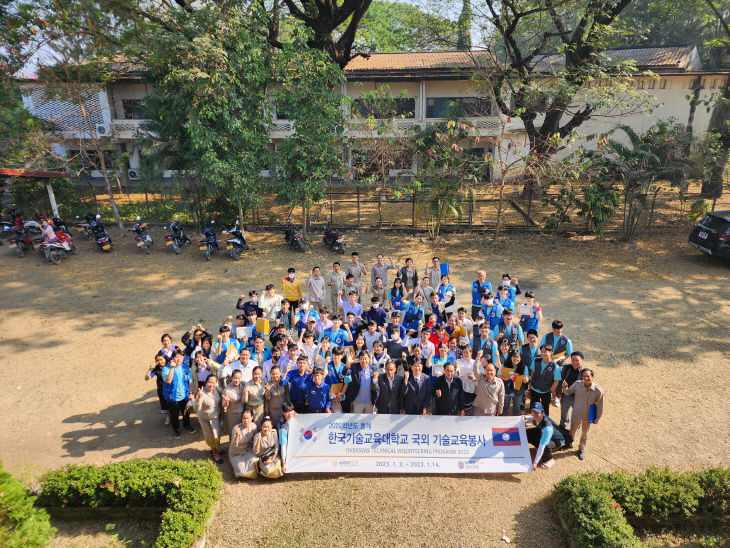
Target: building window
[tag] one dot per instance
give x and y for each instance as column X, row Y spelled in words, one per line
column 397, row 107
column 284, row 110
column 663, row 84
column 470, row 107
column 133, row 109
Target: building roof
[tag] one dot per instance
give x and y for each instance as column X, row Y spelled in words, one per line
column 415, row 61
column 675, row 58
column 4, row 172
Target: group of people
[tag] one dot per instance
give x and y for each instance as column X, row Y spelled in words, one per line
column 412, row 350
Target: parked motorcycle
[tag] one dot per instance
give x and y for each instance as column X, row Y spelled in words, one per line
column 85, row 229
column 332, row 239
column 16, row 221
column 209, row 243
column 294, row 238
column 144, row 240
column 57, row 222
column 22, row 241
column 100, row 234
column 236, row 243
column 55, row 251
column 177, row 239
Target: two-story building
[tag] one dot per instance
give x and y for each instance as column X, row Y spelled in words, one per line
column 423, row 84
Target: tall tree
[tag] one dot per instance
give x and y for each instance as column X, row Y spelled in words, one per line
column 464, row 25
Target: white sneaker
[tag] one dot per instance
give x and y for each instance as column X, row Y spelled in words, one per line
column 548, row 464
column 556, row 402
column 167, row 419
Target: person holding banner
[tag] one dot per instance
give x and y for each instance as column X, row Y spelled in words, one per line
column 240, row 452
column 489, row 391
column 282, row 427
column 449, row 393
column 266, row 448
column 389, row 391
column 416, row 389
column 587, row 408
column 546, row 436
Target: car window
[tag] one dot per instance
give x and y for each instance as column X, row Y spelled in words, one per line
column 717, row 224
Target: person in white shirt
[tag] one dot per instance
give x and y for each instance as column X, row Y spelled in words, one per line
column 270, row 302
column 372, row 335
column 268, row 364
column 428, row 347
column 316, row 285
column 245, row 364
column 465, row 368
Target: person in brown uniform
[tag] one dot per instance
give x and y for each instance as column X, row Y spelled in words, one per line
column 240, row 453
column 275, row 395
column 587, row 394
column 253, row 395
column 266, row 448
column 233, row 401
column 209, row 411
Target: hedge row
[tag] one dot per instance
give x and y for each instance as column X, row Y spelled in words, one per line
column 187, row 489
column 21, row 525
column 597, row 508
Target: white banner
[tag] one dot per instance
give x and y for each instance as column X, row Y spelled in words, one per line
column 407, row 444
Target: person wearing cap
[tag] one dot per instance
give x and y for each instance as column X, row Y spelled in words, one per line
column 587, row 394
column 562, row 346
column 546, row 437
column 480, row 288
column 312, row 328
column 544, row 377
column 251, row 305
column 270, row 302
column 509, row 330
column 316, row 285
column 292, row 288
column 570, row 373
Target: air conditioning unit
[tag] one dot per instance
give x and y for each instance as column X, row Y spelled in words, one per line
column 102, row 130
column 133, row 174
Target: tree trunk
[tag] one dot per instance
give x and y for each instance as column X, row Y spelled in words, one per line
column 713, row 188
column 240, row 212
column 304, row 220
column 108, row 184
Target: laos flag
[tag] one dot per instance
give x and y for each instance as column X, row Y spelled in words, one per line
column 505, row 436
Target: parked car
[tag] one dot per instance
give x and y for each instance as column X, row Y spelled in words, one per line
column 712, row 234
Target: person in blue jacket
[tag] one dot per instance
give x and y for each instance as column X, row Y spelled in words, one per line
column 297, row 380
column 546, row 437
column 491, row 311
column 318, row 393
column 176, row 391
column 480, row 288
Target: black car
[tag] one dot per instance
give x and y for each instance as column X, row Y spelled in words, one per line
column 712, row 234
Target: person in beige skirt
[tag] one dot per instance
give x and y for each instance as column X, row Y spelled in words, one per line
column 233, row 401
column 489, row 392
column 275, row 395
column 240, row 453
column 209, row 412
column 266, row 448
column 254, row 394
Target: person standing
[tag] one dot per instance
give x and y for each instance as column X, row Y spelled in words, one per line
column 416, row 390
column 480, row 288
column 275, row 395
column 380, row 270
column 357, row 270
column 467, row 370
column 270, row 302
column 409, row 276
column 335, row 281
column 544, row 378
column 562, row 346
column 253, row 395
column 570, row 373
column 489, row 400
column 233, row 403
column 209, row 412
column 316, row 286
column 292, row 288
column 389, row 391
column 176, row 391
column 433, row 271
column 297, row 379
column 360, row 391
column 449, row 393
column 587, row 394
column 318, row 394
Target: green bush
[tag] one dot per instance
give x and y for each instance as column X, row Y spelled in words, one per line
column 21, row 525
column 187, row 489
column 699, row 209
column 597, row 508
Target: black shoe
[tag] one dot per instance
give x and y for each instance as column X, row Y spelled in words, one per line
column 568, row 446
column 582, row 454
column 177, row 435
column 189, row 428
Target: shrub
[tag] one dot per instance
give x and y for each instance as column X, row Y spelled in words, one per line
column 597, row 508
column 187, row 489
column 699, row 209
column 21, row 525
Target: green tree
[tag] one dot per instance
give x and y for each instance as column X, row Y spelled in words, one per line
column 309, row 83
column 464, row 24
column 209, row 110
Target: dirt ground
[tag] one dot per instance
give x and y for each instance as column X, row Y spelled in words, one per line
column 651, row 319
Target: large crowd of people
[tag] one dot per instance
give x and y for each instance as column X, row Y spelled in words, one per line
column 351, row 342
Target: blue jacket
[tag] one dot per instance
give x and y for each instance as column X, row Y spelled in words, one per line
column 318, row 397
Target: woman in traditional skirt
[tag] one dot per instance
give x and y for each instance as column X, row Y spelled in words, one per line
column 254, row 394
column 240, row 453
column 266, row 448
column 275, row 395
column 209, row 412
column 233, row 401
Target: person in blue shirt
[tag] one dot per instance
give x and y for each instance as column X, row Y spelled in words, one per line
column 397, row 296
column 500, row 352
column 176, row 391
column 413, row 314
column 531, row 321
column 335, row 369
column 297, row 380
column 511, row 331
column 546, row 436
column 305, row 313
column 447, row 295
column 503, row 298
column 530, row 351
column 513, row 288
column 318, row 393
column 562, row 346
column 351, row 306
column 224, row 342
column 480, row 288
column 491, row 311
column 338, row 336
column 545, row 376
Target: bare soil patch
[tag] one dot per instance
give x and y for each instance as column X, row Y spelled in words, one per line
column 652, row 321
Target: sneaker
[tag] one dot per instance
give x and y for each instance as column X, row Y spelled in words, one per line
column 189, row 429
column 582, row 454
column 167, row 419
column 556, row 402
column 548, row 464
column 163, row 411
column 177, row 435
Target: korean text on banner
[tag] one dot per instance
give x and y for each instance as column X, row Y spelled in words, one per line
column 401, row 444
